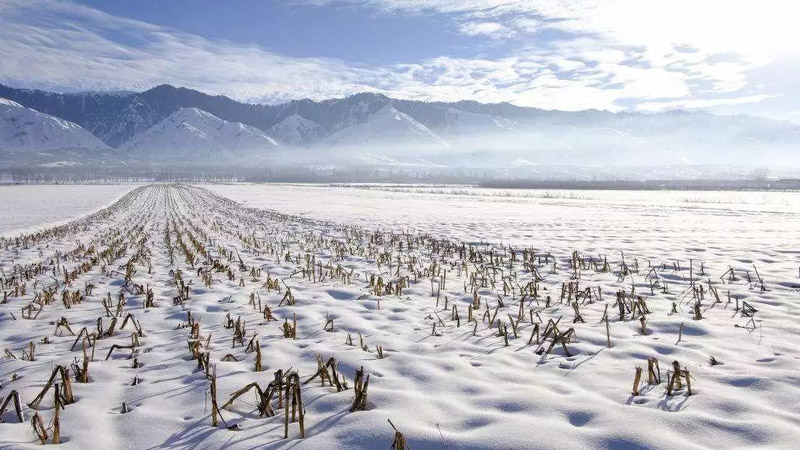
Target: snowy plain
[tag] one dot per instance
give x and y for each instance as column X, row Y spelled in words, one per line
column 649, row 224
column 445, row 383
column 32, row 206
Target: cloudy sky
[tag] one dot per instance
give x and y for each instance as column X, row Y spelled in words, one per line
column 726, row 56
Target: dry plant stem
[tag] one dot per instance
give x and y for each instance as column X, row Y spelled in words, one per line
column 636, row 380
column 65, row 383
column 12, row 396
column 399, row 442
column 298, row 413
column 56, row 419
column 38, row 428
column 360, row 385
column 216, row 415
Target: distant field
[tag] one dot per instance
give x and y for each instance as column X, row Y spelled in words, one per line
column 651, row 224
column 26, row 206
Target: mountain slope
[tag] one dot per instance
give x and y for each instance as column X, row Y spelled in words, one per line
column 31, row 138
column 476, row 134
column 386, row 126
column 297, row 130
column 25, row 130
column 462, row 123
column 194, row 135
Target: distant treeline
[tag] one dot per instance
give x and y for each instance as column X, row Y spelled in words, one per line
column 650, row 185
column 83, row 175
column 367, row 174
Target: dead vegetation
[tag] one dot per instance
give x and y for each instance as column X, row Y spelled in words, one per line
column 500, row 294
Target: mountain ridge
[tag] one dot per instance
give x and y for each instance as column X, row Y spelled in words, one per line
column 192, row 135
column 29, row 135
column 464, row 134
column 115, row 117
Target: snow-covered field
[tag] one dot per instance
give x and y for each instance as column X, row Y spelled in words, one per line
column 659, row 225
column 31, row 206
column 670, row 271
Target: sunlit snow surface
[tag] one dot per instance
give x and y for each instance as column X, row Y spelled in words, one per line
column 26, row 207
column 457, row 390
column 659, row 225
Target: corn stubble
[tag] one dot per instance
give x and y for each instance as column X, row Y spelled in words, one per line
column 500, row 294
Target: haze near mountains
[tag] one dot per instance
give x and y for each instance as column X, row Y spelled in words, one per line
column 168, row 125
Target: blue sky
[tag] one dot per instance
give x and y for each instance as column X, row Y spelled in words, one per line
column 308, row 30
column 617, row 55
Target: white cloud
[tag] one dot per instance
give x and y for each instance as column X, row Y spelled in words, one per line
column 492, row 29
column 700, row 104
column 616, row 55
column 765, row 27
column 672, row 36
column 60, row 45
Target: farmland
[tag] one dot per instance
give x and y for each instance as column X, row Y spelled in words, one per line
column 252, row 316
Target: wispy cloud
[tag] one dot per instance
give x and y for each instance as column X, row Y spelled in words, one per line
column 713, row 25
column 693, row 52
column 701, row 103
column 491, row 29
column 613, row 55
column 61, row 45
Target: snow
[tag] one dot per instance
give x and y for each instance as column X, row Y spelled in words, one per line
column 195, row 135
column 554, row 219
column 457, row 137
column 459, row 388
column 388, row 126
column 7, row 102
column 30, row 207
column 463, row 123
column 297, row 130
column 374, row 132
column 25, row 130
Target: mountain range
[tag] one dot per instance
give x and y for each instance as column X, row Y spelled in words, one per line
column 192, row 135
column 177, row 125
column 28, row 136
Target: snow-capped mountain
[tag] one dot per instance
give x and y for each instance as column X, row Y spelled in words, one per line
column 25, row 130
column 297, row 130
column 134, row 118
column 193, row 135
column 179, row 125
column 463, row 123
column 389, row 127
